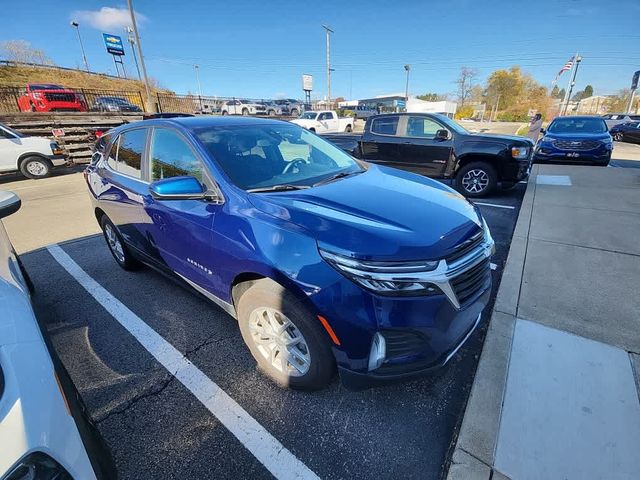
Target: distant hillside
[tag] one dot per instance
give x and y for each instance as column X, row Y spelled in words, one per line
column 21, row 75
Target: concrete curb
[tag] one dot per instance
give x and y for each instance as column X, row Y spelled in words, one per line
column 474, row 453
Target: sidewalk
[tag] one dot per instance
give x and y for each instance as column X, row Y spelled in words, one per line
column 556, row 394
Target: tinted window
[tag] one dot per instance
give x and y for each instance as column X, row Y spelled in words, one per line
column 577, row 125
column 171, row 156
column 422, row 127
column 4, row 134
column 385, row 125
column 130, row 148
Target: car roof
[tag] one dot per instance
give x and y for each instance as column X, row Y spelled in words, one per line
column 579, row 117
column 190, row 123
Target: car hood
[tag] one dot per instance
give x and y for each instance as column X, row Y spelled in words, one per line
column 577, row 136
column 380, row 214
column 507, row 139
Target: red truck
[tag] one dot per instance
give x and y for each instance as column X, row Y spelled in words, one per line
column 41, row 97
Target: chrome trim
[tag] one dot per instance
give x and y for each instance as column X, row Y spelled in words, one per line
column 466, row 337
column 227, row 307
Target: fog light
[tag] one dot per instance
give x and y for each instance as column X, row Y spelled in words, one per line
column 378, row 351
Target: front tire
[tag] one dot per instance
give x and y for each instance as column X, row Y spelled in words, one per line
column 476, row 179
column 294, row 112
column 284, row 337
column 116, row 245
column 245, row 112
column 35, row 167
column 618, row 136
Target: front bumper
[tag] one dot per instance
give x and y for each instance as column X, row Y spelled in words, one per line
column 58, row 160
column 544, row 154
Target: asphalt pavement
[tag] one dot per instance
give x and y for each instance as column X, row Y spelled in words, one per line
column 156, row 426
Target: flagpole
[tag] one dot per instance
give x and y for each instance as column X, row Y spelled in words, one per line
column 565, row 101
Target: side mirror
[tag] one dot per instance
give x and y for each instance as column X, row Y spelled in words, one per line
column 442, row 134
column 9, row 203
column 180, row 188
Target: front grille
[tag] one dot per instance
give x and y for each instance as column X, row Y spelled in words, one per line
column 403, row 343
column 60, row 97
column 465, row 247
column 472, row 281
column 576, row 144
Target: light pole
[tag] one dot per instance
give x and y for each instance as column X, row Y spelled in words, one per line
column 132, row 42
column 328, row 31
column 406, row 89
column 150, row 104
column 84, row 57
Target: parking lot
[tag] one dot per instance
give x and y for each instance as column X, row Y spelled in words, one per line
column 153, row 420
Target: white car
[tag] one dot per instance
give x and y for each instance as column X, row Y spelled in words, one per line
column 34, row 157
column 324, row 121
column 242, row 107
column 45, row 432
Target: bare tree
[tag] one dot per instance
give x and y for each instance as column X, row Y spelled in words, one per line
column 22, row 51
column 465, row 84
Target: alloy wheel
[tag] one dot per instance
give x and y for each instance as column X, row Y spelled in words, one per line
column 475, row 181
column 617, row 136
column 37, row 169
column 279, row 341
column 114, row 243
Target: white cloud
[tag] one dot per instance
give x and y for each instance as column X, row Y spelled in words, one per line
column 107, row 18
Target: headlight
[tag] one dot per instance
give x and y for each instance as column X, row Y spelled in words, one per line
column 55, row 148
column 520, row 153
column 386, row 278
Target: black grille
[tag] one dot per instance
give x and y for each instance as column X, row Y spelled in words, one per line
column 60, row 97
column 469, row 283
column 402, row 343
column 576, row 144
column 465, row 247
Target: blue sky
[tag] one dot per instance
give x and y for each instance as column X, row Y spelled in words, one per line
column 261, row 48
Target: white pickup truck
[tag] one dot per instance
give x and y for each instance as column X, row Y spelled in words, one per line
column 324, row 121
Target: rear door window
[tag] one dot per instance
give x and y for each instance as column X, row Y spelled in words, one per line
column 128, row 160
column 387, row 125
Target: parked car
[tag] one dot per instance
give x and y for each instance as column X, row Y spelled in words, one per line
column 324, row 260
column 290, row 106
column 626, row 132
column 324, row 121
column 613, row 119
column 242, row 107
column 45, row 431
column 575, row 139
column 271, row 108
column 34, row 157
column 114, row 104
column 438, row 147
column 41, row 97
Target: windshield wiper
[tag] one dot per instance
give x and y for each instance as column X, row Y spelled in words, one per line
column 278, row 188
column 335, row 177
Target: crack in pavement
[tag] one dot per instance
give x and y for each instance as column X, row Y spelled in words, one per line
column 153, row 392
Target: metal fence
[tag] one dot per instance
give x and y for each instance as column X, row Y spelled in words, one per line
column 196, row 104
column 16, row 99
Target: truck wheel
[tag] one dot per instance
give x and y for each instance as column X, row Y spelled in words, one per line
column 476, row 179
column 348, row 129
column 618, row 136
column 284, row 337
column 116, row 245
column 35, row 167
column 224, row 112
column 245, row 112
column 294, row 112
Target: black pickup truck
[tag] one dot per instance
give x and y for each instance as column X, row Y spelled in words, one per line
column 436, row 146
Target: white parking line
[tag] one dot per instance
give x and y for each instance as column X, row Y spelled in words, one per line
column 494, row 205
column 267, row 449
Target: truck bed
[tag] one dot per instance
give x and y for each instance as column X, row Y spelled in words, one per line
column 349, row 142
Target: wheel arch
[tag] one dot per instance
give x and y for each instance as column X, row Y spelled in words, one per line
column 26, row 155
column 493, row 160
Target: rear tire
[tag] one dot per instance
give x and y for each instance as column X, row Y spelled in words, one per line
column 476, row 179
column 35, row 167
column 348, row 129
column 618, row 137
column 307, row 364
column 294, row 112
column 116, row 245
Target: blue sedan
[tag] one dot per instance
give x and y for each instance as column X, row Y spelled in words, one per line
column 326, row 262
column 579, row 139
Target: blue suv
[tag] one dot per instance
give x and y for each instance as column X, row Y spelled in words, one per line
column 327, row 262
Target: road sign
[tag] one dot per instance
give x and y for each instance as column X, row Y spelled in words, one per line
column 307, row 82
column 113, row 43
column 634, row 80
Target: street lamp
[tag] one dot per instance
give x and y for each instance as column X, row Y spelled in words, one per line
column 406, row 90
column 84, row 57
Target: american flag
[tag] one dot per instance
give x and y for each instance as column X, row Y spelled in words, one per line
column 567, row 66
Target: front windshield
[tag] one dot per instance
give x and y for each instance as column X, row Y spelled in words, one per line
column 577, row 125
column 11, row 130
column 451, row 124
column 262, row 156
column 47, row 86
column 309, row 115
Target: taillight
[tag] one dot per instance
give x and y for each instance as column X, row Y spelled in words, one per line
column 99, row 133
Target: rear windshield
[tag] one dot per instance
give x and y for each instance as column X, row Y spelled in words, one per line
column 46, row 86
column 577, row 125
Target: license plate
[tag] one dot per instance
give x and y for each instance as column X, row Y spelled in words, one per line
column 573, row 154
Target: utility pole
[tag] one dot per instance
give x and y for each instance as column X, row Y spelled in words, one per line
column 328, row 31
column 197, row 69
column 406, row 89
column 495, row 109
column 150, row 104
column 132, row 42
column 572, row 83
column 84, row 57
